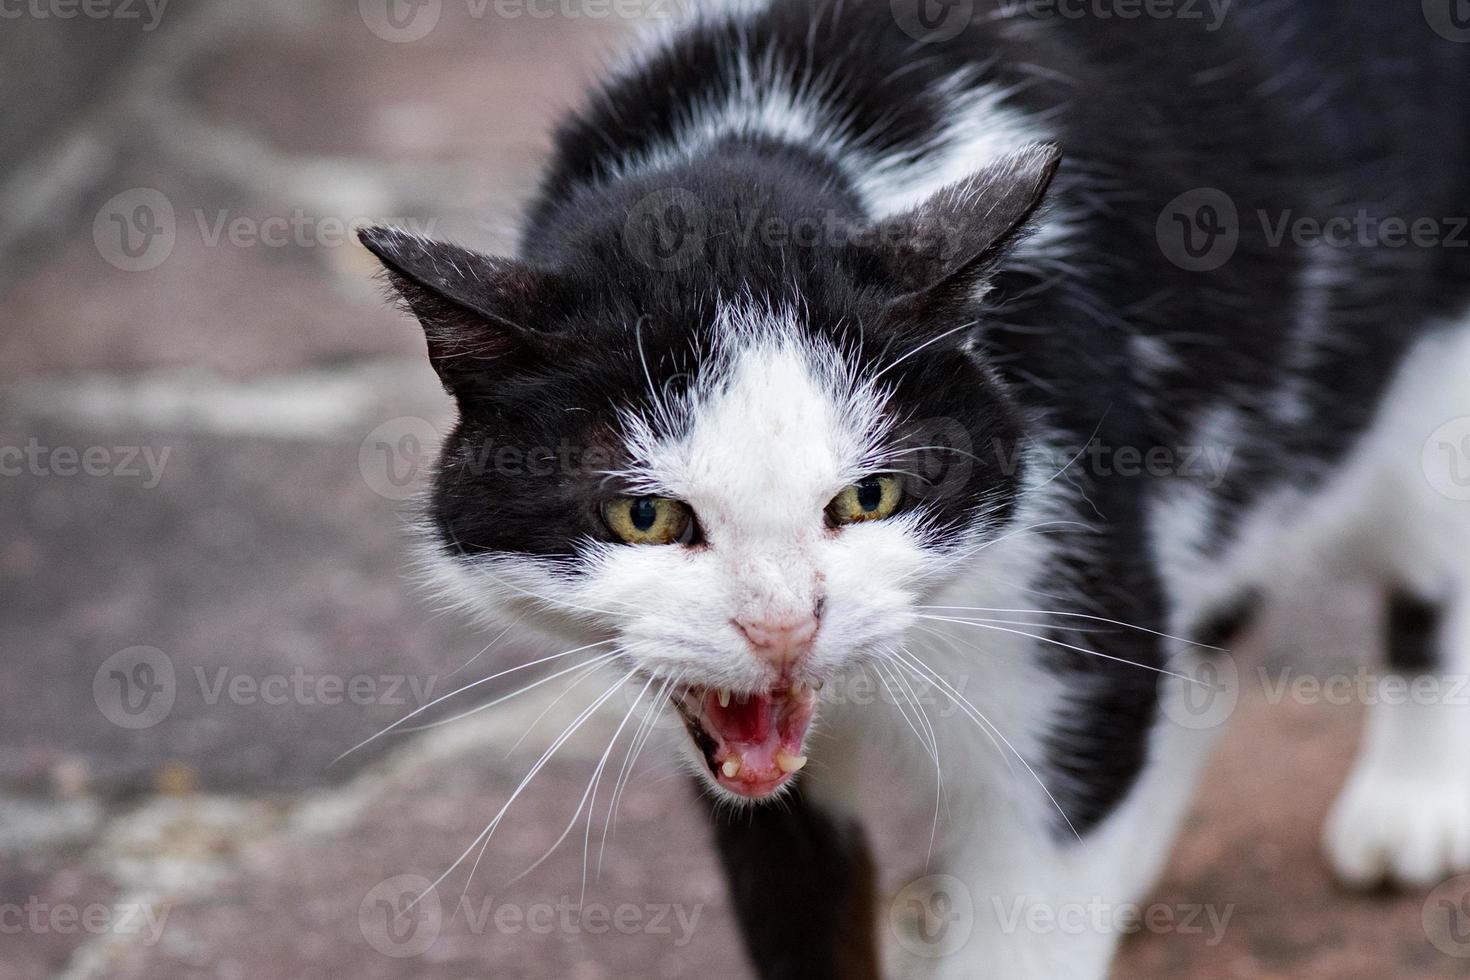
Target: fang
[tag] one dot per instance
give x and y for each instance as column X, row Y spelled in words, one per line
column 789, row 763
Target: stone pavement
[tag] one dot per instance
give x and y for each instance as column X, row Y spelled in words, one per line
column 206, row 594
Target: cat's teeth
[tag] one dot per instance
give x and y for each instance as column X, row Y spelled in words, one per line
column 787, row 762
column 731, row 768
column 725, row 703
column 800, row 691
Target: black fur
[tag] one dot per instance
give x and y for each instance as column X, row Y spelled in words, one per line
column 584, row 324
column 804, row 891
column 1307, row 108
column 1229, row 624
column 1412, row 629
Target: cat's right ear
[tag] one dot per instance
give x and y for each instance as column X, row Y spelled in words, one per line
column 476, row 309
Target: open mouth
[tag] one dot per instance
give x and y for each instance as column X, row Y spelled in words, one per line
column 751, row 742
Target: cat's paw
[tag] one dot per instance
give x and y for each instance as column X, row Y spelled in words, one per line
column 1401, row 828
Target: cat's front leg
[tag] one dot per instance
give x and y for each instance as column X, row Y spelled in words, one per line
column 802, row 882
column 996, row 917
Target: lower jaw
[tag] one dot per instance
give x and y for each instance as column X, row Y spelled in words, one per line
column 752, row 745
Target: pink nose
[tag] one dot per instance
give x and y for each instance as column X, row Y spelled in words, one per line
column 779, row 641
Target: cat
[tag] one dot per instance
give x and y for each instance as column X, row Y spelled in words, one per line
column 1012, row 354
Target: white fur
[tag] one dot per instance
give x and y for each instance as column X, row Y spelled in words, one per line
column 784, row 424
column 1405, row 813
column 758, row 452
column 777, row 427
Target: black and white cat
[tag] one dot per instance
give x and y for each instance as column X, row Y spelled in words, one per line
column 886, row 338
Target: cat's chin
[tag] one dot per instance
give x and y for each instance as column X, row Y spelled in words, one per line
column 751, row 742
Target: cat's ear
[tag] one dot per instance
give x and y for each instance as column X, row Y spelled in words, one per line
column 941, row 251
column 476, row 309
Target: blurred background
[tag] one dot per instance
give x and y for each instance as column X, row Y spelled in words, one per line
column 210, row 424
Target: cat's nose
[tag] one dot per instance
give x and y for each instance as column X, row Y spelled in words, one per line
column 780, row 641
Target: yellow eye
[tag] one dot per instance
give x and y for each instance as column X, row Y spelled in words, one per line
column 649, row 520
column 872, row 499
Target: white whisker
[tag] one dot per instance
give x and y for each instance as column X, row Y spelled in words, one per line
column 931, row 746
column 483, row 837
column 589, row 792
column 1076, row 615
column 470, row 686
column 635, row 748
column 981, row 624
column 979, row 718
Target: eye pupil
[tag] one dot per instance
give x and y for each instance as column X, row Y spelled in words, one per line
column 643, row 512
column 870, row 495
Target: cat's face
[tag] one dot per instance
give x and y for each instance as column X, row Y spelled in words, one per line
column 734, row 485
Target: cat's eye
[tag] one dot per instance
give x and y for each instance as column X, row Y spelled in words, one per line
column 649, row 520
column 872, row 499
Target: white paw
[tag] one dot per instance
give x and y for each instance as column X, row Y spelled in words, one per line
column 1405, row 829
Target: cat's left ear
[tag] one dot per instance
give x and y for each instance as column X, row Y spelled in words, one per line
column 475, row 308
column 941, row 251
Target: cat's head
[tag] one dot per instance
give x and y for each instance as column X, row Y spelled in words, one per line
column 723, row 431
